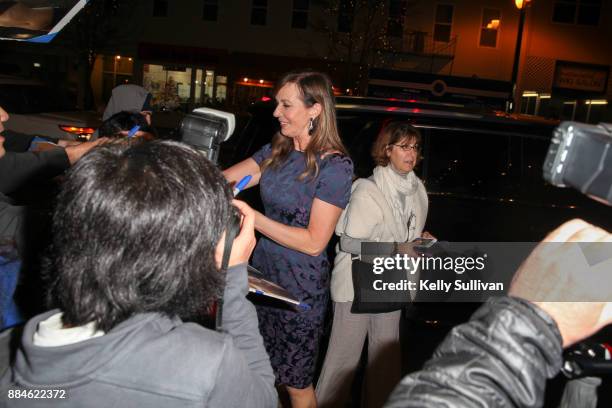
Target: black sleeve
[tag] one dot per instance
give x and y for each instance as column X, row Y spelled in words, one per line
column 11, row 218
column 17, row 169
column 16, row 142
column 500, row 358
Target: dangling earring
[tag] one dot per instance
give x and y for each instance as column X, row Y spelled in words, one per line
column 311, row 125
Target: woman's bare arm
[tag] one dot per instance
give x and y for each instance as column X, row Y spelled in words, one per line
column 311, row 240
column 248, row 166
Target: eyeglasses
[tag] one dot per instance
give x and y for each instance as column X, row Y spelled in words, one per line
column 406, row 147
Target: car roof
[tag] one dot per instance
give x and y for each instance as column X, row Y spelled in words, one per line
column 13, row 80
column 439, row 115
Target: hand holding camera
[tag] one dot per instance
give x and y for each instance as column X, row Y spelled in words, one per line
column 244, row 243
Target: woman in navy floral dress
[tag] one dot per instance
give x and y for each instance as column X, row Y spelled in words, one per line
column 305, row 179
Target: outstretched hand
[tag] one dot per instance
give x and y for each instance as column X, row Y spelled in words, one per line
column 76, row 151
column 558, row 277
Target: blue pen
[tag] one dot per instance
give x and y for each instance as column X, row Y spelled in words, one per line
column 133, row 131
column 242, row 184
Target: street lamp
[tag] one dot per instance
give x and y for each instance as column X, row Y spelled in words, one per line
column 522, row 6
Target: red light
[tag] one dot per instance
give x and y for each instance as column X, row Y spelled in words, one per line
column 266, row 99
column 392, row 99
column 416, row 110
column 391, row 109
column 412, row 100
column 77, row 130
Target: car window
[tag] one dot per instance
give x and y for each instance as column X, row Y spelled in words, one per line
column 28, row 99
column 493, row 167
column 358, row 134
column 471, row 164
column 476, row 164
column 257, row 132
column 477, row 171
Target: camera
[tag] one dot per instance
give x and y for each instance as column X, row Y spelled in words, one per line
column 205, row 129
column 580, row 156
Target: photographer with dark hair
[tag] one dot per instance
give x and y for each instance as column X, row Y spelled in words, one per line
column 503, row 356
column 138, row 240
column 123, row 124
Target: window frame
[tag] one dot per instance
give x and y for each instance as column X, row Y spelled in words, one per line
column 258, row 8
column 302, row 11
column 436, row 23
column 577, row 4
column 207, row 4
column 398, row 20
column 481, row 28
column 157, row 2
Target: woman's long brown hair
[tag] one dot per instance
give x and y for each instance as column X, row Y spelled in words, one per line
column 314, row 87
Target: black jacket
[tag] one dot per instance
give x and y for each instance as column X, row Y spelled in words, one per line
column 18, row 170
column 500, row 358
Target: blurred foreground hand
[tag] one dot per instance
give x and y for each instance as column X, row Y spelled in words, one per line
column 561, row 278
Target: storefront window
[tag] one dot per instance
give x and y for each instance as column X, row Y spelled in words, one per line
column 595, row 111
column 528, row 104
column 221, row 88
column 569, row 110
column 204, row 87
column 209, row 83
column 116, row 70
column 183, row 88
column 587, row 111
column 198, row 87
column 170, row 86
column 533, row 103
column 544, row 108
column 582, row 112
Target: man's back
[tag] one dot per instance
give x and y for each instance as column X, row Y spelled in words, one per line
column 150, row 360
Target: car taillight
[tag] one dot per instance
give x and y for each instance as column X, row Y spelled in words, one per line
column 76, row 130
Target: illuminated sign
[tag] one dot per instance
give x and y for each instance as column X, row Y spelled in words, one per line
column 581, row 77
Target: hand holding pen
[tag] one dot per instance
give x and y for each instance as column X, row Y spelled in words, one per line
column 242, row 184
column 133, row 131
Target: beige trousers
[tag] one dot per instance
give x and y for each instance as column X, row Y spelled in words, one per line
column 348, row 335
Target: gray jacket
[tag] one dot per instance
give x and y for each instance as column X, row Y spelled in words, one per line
column 500, row 358
column 151, row 360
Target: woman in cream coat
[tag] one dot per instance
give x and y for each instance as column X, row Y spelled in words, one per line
column 389, row 206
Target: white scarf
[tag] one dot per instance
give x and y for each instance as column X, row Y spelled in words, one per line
column 390, row 183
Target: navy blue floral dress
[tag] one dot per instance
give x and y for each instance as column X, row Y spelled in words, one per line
column 292, row 337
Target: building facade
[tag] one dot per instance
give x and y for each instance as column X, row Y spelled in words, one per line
column 202, row 52
column 195, row 52
column 213, row 50
column 565, row 57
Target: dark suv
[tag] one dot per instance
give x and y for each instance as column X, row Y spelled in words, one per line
column 483, row 174
column 482, row 170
